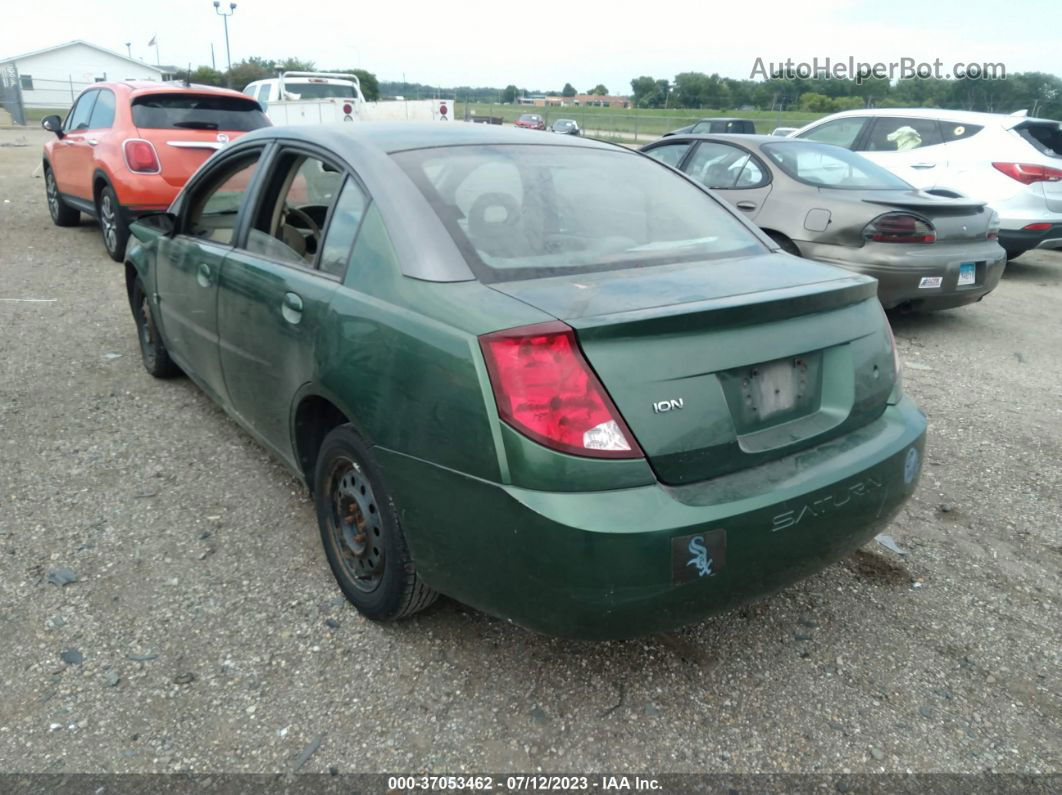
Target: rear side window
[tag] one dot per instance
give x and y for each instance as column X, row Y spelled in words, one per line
column 1047, row 138
column 197, row 112
column 902, row 134
column 839, row 132
column 721, row 166
column 103, row 111
column 957, row 131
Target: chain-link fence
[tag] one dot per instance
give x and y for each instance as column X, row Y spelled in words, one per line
column 11, row 93
column 623, row 125
column 43, row 92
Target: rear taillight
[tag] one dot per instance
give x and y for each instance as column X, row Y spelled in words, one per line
column 899, row 228
column 140, row 156
column 993, row 225
column 348, row 108
column 1028, row 173
column 897, row 365
column 546, row 390
column 1037, row 227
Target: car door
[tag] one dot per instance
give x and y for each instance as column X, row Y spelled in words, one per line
column 911, row 148
column 95, row 135
column 189, row 264
column 276, row 287
column 70, row 156
column 733, row 172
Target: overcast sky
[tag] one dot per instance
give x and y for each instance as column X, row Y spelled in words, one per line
column 544, row 43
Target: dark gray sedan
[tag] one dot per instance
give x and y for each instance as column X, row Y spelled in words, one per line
column 927, row 250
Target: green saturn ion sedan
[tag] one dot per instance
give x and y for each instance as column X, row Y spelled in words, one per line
column 551, row 378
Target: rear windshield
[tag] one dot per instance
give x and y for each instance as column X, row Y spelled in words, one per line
column 1047, row 138
column 320, row 90
column 197, row 112
column 528, row 211
column 829, row 166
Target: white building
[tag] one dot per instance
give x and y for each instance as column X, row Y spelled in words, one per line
column 53, row 77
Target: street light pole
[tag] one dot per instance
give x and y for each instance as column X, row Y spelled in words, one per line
column 225, row 16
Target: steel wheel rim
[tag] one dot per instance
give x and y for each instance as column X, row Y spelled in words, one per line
column 107, row 221
column 355, row 525
column 53, row 194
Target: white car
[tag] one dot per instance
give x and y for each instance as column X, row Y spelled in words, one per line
column 1014, row 163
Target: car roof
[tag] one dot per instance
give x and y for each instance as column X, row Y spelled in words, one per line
column 136, row 88
column 402, row 136
column 964, row 116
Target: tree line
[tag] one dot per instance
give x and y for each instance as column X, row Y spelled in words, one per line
column 1037, row 92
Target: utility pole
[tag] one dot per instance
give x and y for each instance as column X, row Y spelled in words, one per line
column 213, row 64
column 228, row 54
column 129, row 48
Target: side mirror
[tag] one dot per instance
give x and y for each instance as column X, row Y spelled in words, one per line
column 148, row 227
column 53, row 124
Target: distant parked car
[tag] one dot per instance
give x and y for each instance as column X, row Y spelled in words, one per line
column 125, row 149
column 531, row 121
column 1012, row 162
column 784, row 131
column 566, row 127
column 826, row 203
column 550, row 379
column 716, row 125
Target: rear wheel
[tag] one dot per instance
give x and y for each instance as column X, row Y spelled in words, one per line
column 62, row 214
column 361, row 534
column 153, row 351
column 784, row 243
column 112, row 225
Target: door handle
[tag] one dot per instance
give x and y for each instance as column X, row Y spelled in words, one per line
column 291, row 308
column 202, row 275
column 923, row 165
column 92, row 142
column 746, row 205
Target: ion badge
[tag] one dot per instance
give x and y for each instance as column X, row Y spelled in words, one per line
column 697, row 556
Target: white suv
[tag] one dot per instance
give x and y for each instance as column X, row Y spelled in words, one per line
column 1012, row 162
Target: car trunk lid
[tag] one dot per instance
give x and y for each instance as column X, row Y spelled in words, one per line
column 953, row 219
column 719, row 366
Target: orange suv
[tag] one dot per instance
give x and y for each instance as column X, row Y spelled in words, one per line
column 126, row 149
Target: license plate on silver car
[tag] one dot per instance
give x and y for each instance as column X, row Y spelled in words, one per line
column 967, row 273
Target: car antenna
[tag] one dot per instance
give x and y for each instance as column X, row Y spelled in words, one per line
column 188, row 76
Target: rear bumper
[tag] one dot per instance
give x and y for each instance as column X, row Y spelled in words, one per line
column 615, row 564
column 1024, row 239
column 905, row 273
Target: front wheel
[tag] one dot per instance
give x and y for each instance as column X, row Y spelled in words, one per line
column 361, row 534
column 113, row 227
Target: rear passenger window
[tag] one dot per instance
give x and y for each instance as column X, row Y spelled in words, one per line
column 901, row 134
column 839, row 132
column 103, row 111
column 342, row 229
column 956, row 132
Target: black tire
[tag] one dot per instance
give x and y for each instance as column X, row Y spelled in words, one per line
column 113, row 227
column 361, row 534
column 784, row 243
column 153, row 351
column 62, row 213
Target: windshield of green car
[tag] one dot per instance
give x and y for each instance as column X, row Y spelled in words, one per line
column 532, row 211
column 829, row 166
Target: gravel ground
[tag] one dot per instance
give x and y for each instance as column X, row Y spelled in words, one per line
column 203, row 630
